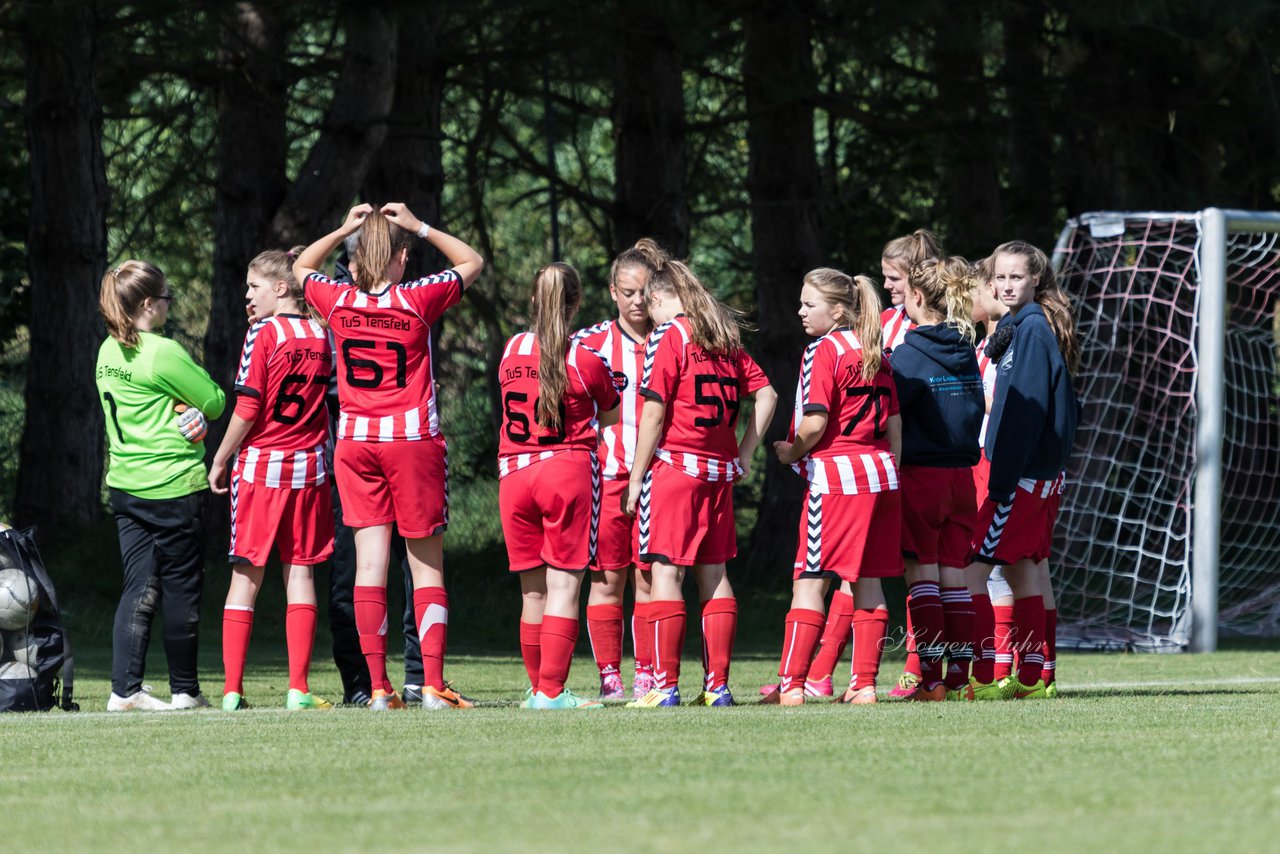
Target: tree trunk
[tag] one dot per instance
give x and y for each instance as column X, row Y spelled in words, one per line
column 1030, row 210
column 649, row 130
column 782, row 178
column 60, row 472
column 408, row 166
column 971, row 190
column 252, row 148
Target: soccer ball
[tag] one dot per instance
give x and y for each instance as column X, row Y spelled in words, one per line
column 24, row 648
column 18, row 599
column 16, row 670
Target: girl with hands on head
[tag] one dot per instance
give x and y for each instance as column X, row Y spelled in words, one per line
column 390, row 462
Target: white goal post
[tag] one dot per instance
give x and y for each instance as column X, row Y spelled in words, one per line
column 1170, row 526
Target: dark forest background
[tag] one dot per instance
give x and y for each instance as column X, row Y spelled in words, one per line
column 760, row 139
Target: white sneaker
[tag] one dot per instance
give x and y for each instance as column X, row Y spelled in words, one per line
column 186, row 701
column 139, row 702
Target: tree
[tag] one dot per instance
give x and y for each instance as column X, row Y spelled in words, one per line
column 782, row 179
column 61, row 468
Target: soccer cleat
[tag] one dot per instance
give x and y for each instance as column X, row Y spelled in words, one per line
column 412, row 695
column 1012, row 689
column 963, row 693
column 527, row 701
column 657, row 698
column 358, row 697
column 716, row 697
column 141, row 701
column 233, row 702
column 812, row 688
column 984, row 690
column 297, row 700
column 792, row 697
column 906, row 686
column 642, row 684
column 188, row 701
column 566, row 700
column 611, row 687
column 444, row 698
column 865, row 696
column 1051, row 690
column 384, row 701
column 921, row 694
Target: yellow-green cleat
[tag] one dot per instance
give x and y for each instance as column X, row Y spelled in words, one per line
column 985, row 690
column 297, row 700
column 657, row 698
column 233, row 702
column 1051, row 690
column 1012, row 689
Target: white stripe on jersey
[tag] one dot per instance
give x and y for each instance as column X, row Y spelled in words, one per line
column 703, row 468
column 514, row 462
column 287, row 469
column 850, row 474
column 895, row 327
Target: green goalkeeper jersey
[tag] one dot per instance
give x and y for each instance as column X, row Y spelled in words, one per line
column 138, row 388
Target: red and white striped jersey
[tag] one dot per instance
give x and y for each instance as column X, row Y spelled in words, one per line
column 386, row 387
column 522, row 441
column 281, row 383
column 625, row 356
column 895, row 324
column 853, row 455
column 987, row 370
column 701, row 392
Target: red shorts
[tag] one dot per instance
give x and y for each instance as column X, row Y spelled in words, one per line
column 402, row 482
column 1020, row 528
column 850, row 536
column 685, row 520
column 298, row 522
column 981, row 477
column 549, row 512
column 939, row 510
column 619, row 540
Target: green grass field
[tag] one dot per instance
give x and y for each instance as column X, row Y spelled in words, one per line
column 1141, row 752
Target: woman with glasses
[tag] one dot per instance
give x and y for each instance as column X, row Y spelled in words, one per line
column 157, row 483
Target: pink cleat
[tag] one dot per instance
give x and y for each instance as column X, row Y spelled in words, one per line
column 611, row 687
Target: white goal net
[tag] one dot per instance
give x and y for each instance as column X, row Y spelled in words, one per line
column 1125, row 550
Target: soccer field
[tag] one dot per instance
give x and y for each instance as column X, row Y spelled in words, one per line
column 1140, row 753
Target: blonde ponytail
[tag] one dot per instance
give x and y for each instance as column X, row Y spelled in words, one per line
column 858, row 299
column 908, row 251
column 379, row 241
column 947, row 287
column 646, row 254
column 277, row 266
column 557, row 291
column 716, row 328
column 123, row 292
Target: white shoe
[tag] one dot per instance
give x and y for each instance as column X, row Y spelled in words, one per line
column 186, row 701
column 139, row 702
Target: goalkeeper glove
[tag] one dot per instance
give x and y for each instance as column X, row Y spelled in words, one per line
column 191, row 423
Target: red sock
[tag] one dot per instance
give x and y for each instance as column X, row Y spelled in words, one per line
column 984, row 643
column 1003, row 640
column 559, row 637
column 835, row 636
column 371, row 626
column 431, row 613
column 604, row 628
column 237, row 627
column 667, row 624
column 300, row 636
column 869, row 631
column 957, row 616
column 913, row 658
column 928, row 625
column 719, row 625
column 804, row 627
column 642, row 637
column 1028, row 621
column 531, row 650
column 1050, row 645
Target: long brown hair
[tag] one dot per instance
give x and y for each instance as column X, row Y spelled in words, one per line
column 646, row 254
column 909, row 250
column 277, row 265
column 557, row 292
column 380, row 240
column 716, row 328
column 947, row 286
column 859, row 303
column 1050, row 296
column 124, row 290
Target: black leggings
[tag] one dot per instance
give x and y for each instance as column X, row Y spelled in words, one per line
column 162, row 548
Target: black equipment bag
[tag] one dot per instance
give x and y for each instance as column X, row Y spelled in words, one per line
column 34, row 686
